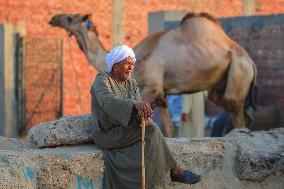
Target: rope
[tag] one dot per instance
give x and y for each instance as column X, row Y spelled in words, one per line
column 76, row 78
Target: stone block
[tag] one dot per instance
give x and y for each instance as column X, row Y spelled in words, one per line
column 14, row 144
column 53, row 168
column 69, row 130
column 259, row 154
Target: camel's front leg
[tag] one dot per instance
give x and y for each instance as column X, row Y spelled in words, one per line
column 166, row 122
column 153, row 92
column 158, row 99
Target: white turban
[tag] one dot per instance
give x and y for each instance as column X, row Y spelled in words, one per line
column 118, row 54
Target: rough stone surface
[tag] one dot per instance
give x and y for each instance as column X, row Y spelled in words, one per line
column 241, row 159
column 261, row 155
column 14, row 144
column 53, row 168
column 67, row 130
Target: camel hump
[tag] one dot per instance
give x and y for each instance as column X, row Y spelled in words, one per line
column 147, row 46
column 191, row 15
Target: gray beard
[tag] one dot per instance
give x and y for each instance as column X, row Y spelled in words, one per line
column 127, row 78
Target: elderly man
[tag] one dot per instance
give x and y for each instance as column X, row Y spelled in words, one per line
column 116, row 103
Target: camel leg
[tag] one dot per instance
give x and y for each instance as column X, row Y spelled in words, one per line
column 234, row 105
column 154, row 92
column 159, row 100
column 238, row 83
column 230, row 105
column 166, row 122
column 238, row 117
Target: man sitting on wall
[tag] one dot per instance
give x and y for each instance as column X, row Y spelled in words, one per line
column 116, row 103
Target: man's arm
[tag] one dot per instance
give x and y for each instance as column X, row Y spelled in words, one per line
column 117, row 108
column 144, row 108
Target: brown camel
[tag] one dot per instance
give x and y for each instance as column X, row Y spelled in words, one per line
column 196, row 56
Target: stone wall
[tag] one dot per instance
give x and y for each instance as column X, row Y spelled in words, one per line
column 241, row 159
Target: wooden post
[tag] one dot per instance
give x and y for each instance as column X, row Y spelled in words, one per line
column 117, row 22
column 143, row 147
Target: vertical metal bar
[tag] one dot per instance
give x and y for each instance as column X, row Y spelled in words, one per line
column 19, row 82
column 61, row 78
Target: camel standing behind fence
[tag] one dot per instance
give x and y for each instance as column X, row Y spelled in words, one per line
column 196, row 56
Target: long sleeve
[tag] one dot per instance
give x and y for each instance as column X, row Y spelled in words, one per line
column 116, row 107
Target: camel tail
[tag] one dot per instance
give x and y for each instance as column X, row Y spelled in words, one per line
column 253, row 90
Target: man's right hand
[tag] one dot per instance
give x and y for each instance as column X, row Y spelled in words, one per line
column 145, row 109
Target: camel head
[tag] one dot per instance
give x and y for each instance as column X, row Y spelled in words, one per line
column 81, row 26
column 77, row 25
column 72, row 23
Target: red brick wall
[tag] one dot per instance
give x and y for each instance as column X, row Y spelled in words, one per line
column 269, row 6
column 42, row 76
column 35, row 15
column 136, row 13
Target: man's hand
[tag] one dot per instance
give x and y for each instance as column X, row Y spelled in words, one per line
column 145, row 109
column 184, row 117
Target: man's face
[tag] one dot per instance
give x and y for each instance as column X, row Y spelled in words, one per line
column 124, row 69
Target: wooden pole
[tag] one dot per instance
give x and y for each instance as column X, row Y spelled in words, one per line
column 143, row 147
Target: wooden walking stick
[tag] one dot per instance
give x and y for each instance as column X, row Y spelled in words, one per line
column 143, row 147
column 143, row 127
